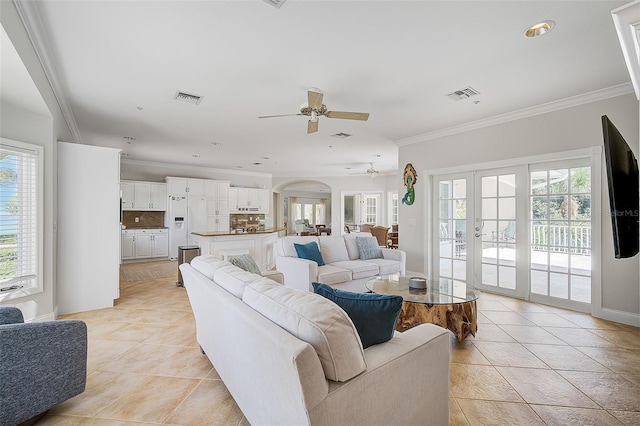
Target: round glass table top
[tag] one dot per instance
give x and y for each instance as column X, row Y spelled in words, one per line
column 440, row 291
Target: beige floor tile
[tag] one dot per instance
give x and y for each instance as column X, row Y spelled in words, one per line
column 498, row 413
column 522, row 306
column 483, row 319
column 587, row 321
column 623, row 338
column 547, row 319
column 100, row 352
column 55, row 420
column 210, row 403
column 563, row 416
column 507, row 318
column 579, row 337
column 610, row 390
column 545, row 387
column 509, row 355
column 490, row 333
column 481, row 382
column 103, row 387
column 465, row 352
column 244, row 422
column 624, row 361
column 565, row 358
column 122, row 331
column 486, row 305
column 629, row 418
column 153, row 399
column 632, row 378
column 529, row 334
column 175, row 335
column 161, row 360
column 456, row 416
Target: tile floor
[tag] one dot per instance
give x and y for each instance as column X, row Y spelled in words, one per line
column 528, row 364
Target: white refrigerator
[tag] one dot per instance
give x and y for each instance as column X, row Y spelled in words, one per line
column 186, row 214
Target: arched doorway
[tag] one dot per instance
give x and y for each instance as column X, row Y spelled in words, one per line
column 300, row 200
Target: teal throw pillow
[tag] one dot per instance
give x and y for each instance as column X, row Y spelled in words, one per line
column 309, row 251
column 374, row 315
column 368, row 248
column 245, row 262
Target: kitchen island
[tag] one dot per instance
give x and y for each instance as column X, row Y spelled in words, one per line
column 259, row 244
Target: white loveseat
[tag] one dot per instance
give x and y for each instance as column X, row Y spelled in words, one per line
column 344, row 269
column 291, row 357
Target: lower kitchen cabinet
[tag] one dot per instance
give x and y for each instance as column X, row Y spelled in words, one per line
column 145, row 243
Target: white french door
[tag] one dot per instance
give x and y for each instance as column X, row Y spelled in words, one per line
column 521, row 231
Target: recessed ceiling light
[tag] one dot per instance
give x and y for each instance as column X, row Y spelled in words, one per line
column 539, row 29
column 139, row 108
column 347, row 168
column 128, row 138
column 239, row 167
column 216, row 143
column 265, row 158
column 257, row 164
column 195, row 155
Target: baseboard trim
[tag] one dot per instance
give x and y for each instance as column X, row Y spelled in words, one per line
column 620, row 316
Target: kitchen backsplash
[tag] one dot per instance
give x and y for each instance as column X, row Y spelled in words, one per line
column 145, row 219
column 246, row 221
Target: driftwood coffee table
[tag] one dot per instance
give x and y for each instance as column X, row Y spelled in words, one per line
column 445, row 302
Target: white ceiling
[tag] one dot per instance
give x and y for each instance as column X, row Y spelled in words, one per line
column 396, row 60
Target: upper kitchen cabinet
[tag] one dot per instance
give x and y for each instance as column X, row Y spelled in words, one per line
column 245, row 200
column 150, row 196
column 185, row 186
column 126, row 195
column 218, row 189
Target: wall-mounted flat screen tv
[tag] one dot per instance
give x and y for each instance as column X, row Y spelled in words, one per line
column 622, row 178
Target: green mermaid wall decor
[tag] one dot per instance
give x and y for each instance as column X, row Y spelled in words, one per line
column 410, row 178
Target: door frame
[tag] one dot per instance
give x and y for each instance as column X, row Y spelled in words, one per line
column 594, row 153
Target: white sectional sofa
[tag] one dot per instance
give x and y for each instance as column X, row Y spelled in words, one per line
column 291, row 357
column 344, row 269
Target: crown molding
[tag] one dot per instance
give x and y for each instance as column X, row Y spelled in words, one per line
column 561, row 104
column 33, row 25
column 627, row 21
column 183, row 166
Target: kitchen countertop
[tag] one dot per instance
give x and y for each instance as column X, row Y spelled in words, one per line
column 129, row 228
column 233, row 233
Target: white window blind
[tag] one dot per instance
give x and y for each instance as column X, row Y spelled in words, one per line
column 19, row 217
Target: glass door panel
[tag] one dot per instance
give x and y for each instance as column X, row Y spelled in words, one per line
column 452, row 228
column 495, row 231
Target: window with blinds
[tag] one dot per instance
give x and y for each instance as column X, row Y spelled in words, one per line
column 20, row 218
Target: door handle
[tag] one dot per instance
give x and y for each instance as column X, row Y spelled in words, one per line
column 478, row 234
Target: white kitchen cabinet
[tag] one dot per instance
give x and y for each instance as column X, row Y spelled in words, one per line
column 217, row 189
column 128, row 250
column 150, row 196
column 217, row 215
column 126, row 195
column 185, row 186
column 144, row 243
column 248, row 200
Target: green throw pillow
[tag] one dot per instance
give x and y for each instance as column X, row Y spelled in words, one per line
column 309, row 251
column 374, row 315
column 368, row 248
column 245, row 262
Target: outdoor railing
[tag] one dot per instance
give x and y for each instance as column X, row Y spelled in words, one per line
column 558, row 238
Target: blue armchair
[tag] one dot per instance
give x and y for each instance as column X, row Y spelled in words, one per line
column 41, row 364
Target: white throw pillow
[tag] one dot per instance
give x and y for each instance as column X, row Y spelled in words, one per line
column 315, row 320
column 333, row 249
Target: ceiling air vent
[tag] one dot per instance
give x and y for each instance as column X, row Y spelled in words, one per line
column 341, row 135
column 465, row 93
column 186, row 97
column 275, row 3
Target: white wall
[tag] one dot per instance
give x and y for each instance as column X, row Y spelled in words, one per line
column 30, row 125
column 89, row 227
column 568, row 129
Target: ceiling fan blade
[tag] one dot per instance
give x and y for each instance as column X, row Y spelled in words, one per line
column 364, row 116
column 278, row 115
column 315, row 99
column 312, row 126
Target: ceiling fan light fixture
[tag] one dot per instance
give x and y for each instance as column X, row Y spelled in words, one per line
column 539, row 29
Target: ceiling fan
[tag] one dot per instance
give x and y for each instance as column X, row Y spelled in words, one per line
column 314, row 108
column 373, row 172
